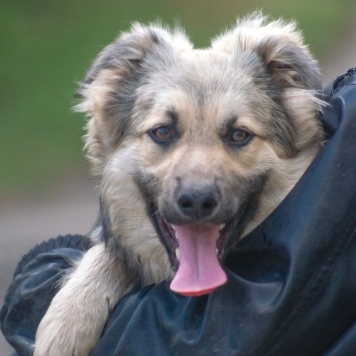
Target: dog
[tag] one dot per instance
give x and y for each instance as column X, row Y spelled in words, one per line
column 191, row 150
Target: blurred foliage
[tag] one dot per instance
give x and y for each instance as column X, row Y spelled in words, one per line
column 45, row 47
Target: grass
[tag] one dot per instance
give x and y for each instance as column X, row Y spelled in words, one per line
column 45, row 47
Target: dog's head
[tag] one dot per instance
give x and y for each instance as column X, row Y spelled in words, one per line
column 194, row 148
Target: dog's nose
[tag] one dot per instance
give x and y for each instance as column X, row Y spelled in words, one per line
column 197, row 205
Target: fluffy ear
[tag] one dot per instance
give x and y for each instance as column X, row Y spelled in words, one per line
column 129, row 50
column 288, row 62
column 107, row 93
column 280, row 47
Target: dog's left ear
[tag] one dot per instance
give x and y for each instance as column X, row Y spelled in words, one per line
column 278, row 47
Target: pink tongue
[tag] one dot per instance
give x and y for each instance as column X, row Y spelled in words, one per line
column 199, row 270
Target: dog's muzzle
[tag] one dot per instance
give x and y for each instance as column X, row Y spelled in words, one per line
column 196, row 228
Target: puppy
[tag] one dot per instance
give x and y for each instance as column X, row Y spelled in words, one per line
column 191, row 150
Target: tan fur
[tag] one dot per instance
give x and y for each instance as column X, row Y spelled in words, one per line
column 258, row 77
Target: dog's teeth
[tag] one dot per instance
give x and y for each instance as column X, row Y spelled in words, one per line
column 177, row 254
column 175, row 232
column 221, row 227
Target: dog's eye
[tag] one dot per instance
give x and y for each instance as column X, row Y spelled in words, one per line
column 162, row 134
column 239, row 136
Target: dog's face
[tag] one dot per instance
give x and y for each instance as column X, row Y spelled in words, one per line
column 194, row 148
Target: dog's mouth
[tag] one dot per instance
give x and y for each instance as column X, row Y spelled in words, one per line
column 196, row 251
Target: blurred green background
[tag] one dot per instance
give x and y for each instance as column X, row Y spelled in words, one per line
column 46, row 46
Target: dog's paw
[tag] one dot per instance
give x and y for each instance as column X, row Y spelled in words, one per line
column 54, row 339
column 64, row 333
column 76, row 317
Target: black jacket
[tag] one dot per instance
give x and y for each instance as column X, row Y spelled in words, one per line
column 291, row 287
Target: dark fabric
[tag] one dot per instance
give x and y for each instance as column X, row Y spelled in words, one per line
column 291, row 288
column 33, row 287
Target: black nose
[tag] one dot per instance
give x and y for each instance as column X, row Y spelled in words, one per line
column 197, row 205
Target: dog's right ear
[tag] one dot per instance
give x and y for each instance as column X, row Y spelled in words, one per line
column 107, row 93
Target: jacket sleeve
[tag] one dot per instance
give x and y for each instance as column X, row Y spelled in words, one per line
column 291, row 283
